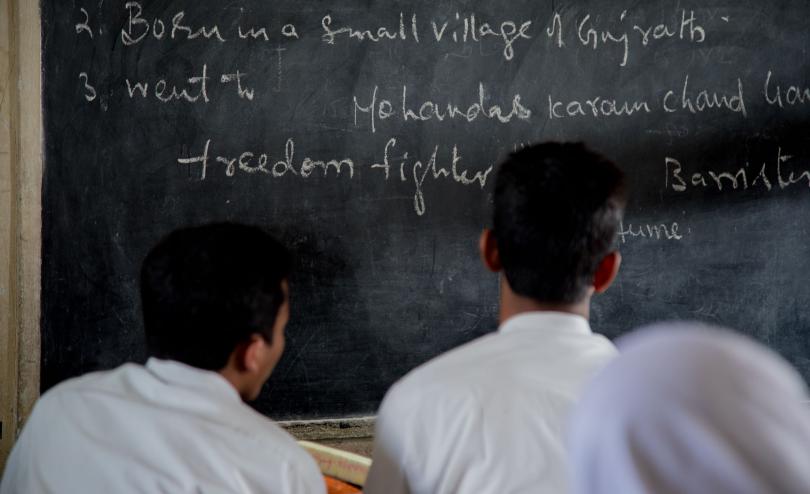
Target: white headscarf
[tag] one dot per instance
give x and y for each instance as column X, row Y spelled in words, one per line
column 687, row 409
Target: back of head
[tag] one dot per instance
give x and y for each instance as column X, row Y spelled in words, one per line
column 205, row 290
column 556, row 214
column 687, row 408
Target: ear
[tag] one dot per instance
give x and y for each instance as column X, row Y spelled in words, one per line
column 488, row 246
column 250, row 354
column 606, row 271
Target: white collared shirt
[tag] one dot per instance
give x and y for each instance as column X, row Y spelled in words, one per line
column 489, row 416
column 163, row 428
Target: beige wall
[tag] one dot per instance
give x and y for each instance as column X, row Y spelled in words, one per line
column 20, row 219
column 7, row 343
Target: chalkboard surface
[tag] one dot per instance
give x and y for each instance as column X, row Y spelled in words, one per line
column 365, row 133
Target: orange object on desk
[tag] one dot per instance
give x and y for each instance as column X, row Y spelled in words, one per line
column 334, row 486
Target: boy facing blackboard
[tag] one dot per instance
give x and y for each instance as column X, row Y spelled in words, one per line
column 215, row 304
column 490, row 415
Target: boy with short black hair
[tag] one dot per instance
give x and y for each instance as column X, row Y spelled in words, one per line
column 215, row 303
column 490, row 415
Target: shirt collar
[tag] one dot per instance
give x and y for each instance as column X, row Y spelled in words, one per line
column 546, row 320
column 179, row 374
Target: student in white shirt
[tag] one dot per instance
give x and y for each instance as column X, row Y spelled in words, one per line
column 689, row 409
column 489, row 416
column 215, row 303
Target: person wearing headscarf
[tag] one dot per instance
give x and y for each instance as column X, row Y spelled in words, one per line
column 692, row 409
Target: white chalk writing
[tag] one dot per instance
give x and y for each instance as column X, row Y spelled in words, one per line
column 164, row 93
column 791, row 96
column 138, row 28
column 84, row 26
column 90, row 91
column 765, row 175
column 381, row 109
column 649, row 231
column 466, row 29
column 705, row 100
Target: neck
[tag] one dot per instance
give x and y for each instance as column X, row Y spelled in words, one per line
column 513, row 304
column 237, row 380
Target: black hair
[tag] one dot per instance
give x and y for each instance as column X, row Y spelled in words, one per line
column 556, row 214
column 206, row 289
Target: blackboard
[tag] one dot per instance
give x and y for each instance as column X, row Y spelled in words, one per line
column 364, row 133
